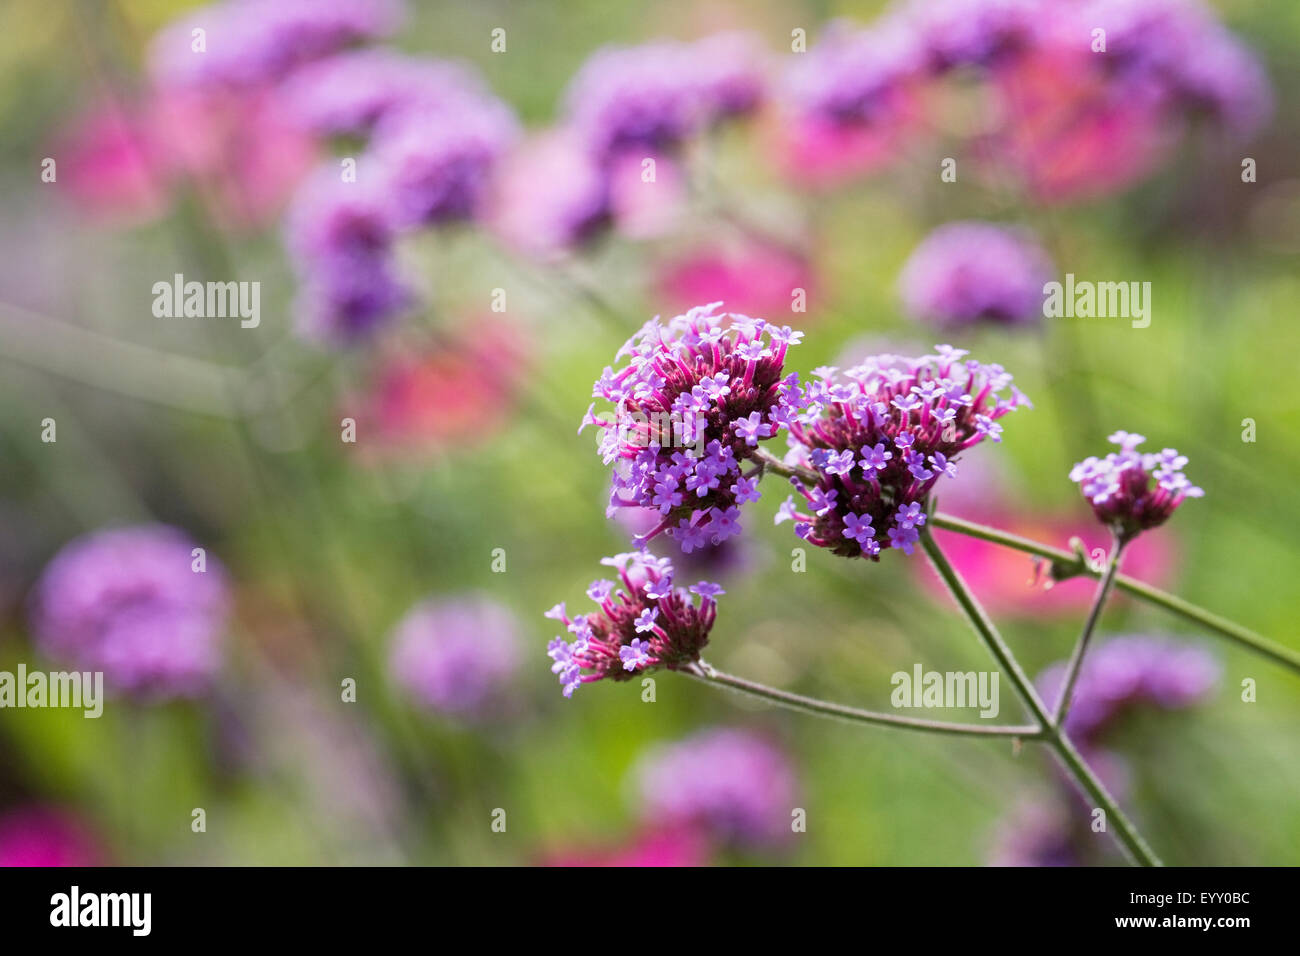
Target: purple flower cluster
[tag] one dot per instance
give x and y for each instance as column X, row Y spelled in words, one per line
column 730, row 785
column 879, row 437
column 970, row 271
column 650, row 99
column 1130, row 491
column 696, row 397
column 457, row 657
column 649, row 622
column 248, row 42
column 129, row 602
column 1128, row 672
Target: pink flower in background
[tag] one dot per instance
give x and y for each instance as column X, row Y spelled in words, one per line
column 126, row 164
column 1080, row 123
column 458, row 656
column 1067, row 132
column 128, row 602
column 550, row 196
column 820, row 154
column 46, row 836
column 732, row 786
column 109, row 166
column 649, row 849
column 753, row 278
column 1007, row 581
column 451, row 396
column 238, row 149
column 645, row 206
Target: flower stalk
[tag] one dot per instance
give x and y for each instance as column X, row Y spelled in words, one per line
column 702, row 671
column 1066, row 564
column 1089, row 625
column 1129, row 838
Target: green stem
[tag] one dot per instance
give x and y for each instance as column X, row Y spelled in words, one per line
column 821, row 708
column 985, row 629
column 1066, row 564
column 1069, row 758
column 1081, row 647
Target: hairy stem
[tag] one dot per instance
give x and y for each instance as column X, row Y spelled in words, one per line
column 1068, row 564
column 1125, row 832
column 1085, row 636
column 821, row 708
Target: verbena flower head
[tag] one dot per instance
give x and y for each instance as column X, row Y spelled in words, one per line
column 127, row 602
column 255, row 41
column 643, row 621
column 1131, row 491
column 457, row 656
column 1129, row 672
column 971, row 271
column 732, row 786
column 697, row 396
column 340, row 237
column 880, row 437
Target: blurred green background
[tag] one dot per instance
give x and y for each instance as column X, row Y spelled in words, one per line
column 329, row 550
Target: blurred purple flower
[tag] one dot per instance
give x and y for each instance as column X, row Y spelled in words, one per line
column 254, row 41
column 458, row 656
column 1127, row 672
column 127, row 602
column 1178, row 51
column 650, row 99
column 638, row 99
column 434, row 161
column 550, row 196
column 855, row 76
column 956, row 33
column 1039, row 833
column 965, row 272
column 340, row 237
column 349, row 93
column 731, row 785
